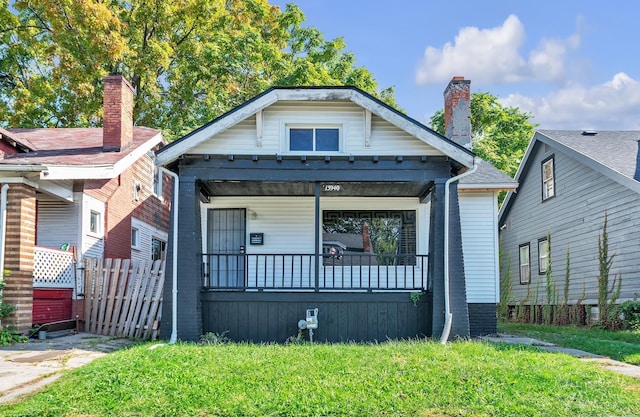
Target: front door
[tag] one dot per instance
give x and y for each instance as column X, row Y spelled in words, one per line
column 226, row 245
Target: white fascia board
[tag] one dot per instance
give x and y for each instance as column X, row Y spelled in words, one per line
column 220, row 126
column 102, row 171
column 56, row 189
column 496, row 186
column 523, row 162
column 22, row 168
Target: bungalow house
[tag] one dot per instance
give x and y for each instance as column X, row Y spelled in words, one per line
column 568, row 181
column 325, row 198
column 73, row 193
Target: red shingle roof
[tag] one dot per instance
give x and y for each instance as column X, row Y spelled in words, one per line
column 73, row 146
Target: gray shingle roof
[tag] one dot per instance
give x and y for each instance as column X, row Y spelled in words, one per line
column 617, row 150
column 487, row 174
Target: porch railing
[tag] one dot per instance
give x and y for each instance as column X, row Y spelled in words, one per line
column 346, row 272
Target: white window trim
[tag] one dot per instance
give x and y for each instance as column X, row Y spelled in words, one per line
column 158, row 238
column 288, row 125
column 99, row 226
column 548, row 180
column 156, row 180
column 135, row 238
column 543, row 256
column 524, row 278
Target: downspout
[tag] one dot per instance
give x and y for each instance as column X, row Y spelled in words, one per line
column 174, row 269
column 3, row 225
column 448, row 317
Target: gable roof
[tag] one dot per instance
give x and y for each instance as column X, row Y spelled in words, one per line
column 487, row 177
column 614, row 154
column 77, row 153
column 181, row 146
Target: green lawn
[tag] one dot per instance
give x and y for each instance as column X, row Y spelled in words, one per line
column 623, row 346
column 388, row 379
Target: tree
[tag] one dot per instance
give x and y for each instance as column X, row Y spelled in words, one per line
column 499, row 135
column 189, row 61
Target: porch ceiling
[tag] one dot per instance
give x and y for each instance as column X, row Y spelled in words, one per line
column 327, row 189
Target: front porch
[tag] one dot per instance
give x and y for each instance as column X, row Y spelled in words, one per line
column 271, row 236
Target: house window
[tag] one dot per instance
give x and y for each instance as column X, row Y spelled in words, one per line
column 548, row 182
column 543, row 255
column 94, row 222
column 321, row 139
column 157, row 182
column 135, row 238
column 136, row 190
column 363, row 237
column 158, row 249
column 525, row 265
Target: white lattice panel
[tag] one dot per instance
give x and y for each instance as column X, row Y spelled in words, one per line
column 53, row 268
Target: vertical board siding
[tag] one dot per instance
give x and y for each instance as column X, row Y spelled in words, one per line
column 386, row 139
column 573, row 219
column 273, row 317
column 479, row 242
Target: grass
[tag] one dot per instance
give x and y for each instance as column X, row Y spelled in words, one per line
column 623, row 346
column 390, row 379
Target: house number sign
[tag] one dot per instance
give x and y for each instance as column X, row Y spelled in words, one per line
column 331, row 187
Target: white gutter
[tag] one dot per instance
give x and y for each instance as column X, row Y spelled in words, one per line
column 447, row 307
column 174, row 270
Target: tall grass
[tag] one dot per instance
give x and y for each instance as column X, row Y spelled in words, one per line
column 390, row 379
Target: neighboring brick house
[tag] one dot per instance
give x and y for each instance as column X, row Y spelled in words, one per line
column 95, row 190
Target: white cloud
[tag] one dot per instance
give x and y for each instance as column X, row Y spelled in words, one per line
column 613, row 105
column 492, row 56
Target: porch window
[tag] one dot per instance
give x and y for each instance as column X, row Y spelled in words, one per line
column 358, row 237
column 525, row 265
column 301, row 138
column 548, row 182
column 543, row 255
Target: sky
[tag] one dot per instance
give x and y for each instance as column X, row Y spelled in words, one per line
column 571, row 64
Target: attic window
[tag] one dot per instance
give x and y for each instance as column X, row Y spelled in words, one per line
column 313, row 138
column 548, row 180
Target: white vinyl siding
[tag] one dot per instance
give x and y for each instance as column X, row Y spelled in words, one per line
column 92, row 244
column 386, row 139
column 146, row 234
column 478, row 217
column 57, row 223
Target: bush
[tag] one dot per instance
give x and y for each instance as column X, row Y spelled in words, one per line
column 629, row 313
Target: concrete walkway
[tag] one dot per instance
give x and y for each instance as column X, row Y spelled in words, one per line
column 27, row 367
column 610, row 364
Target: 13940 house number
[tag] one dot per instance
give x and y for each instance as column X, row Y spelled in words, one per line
column 331, row 187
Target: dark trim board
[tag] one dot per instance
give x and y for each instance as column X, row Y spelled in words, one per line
column 482, row 319
column 273, row 316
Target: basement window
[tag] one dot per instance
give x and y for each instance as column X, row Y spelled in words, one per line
column 313, row 138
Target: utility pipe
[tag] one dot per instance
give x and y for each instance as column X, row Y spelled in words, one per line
column 174, row 270
column 448, row 317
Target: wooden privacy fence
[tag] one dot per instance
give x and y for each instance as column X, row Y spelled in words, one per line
column 123, row 298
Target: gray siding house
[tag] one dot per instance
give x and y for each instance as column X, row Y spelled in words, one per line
column 327, row 198
column 568, row 180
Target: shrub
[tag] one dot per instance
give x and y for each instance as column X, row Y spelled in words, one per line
column 629, row 313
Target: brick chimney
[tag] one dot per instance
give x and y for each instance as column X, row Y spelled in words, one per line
column 117, row 125
column 457, row 111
